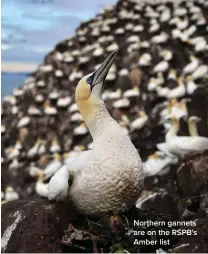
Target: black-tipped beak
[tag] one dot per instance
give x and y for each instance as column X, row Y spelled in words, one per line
column 101, row 73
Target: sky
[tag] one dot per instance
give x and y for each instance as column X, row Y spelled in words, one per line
column 30, row 28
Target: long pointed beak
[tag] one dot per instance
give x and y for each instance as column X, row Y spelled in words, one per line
column 101, row 73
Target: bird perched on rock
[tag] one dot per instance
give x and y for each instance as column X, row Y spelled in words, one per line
column 108, row 178
column 180, row 145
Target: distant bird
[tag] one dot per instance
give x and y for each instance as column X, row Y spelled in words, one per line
column 181, row 145
column 139, row 122
column 158, row 164
column 11, row 194
column 178, row 91
column 41, row 188
column 135, row 75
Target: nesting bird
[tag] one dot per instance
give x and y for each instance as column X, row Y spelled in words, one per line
column 90, row 173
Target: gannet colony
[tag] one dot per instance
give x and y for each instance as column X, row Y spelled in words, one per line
column 153, row 56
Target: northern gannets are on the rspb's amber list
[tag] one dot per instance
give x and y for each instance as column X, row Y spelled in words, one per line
column 108, row 178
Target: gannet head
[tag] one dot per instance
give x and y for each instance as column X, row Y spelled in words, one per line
column 9, row 189
column 194, row 119
column 90, row 87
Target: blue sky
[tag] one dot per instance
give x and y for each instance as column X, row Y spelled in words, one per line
column 31, row 28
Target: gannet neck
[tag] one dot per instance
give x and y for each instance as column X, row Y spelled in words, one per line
column 96, row 117
column 192, row 126
column 173, row 130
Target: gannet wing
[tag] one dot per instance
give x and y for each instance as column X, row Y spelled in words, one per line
column 164, row 148
column 192, row 144
column 77, row 162
column 58, row 186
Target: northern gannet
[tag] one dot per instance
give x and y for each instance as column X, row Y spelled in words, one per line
column 23, row 122
column 191, row 86
column 11, row 194
column 76, row 117
column 33, row 111
column 80, row 130
column 55, row 147
column 52, row 167
column 158, row 164
column 180, row 145
column 108, row 178
column 121, row 103
column 41, row 188
column 178, row 91
column 139, row 122
column 64, row 102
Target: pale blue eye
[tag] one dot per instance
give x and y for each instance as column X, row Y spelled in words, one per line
column 89, row 80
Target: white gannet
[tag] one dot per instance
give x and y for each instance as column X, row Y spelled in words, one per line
column 161, row 38
column 18, row 92
column 179, row 109
column 189, row 68
column 34, row 150
column 200, row 72
column 11, row 194
column 121, row 103
column 145, row 60
column 14, row 164
column 158, row 164
column 152, row 85
column 33, row 111
column 55, row 147
column 59, row 73
column 54, row 95
column 191, row 86
column 76, row 117
column 182, row 24
column 24, row 121
column 41, row 83
column 178, row 91
column 49, row 110
column 80, row 130
column 3, row 129
column 180, row 145
column 11, row 99
column 18, row 145
column 139, row 122
column 154, row 27
column 104, row 179
column 172, row 74
column 64, row 102
column 41, row 188
column 12, row 153
column 192, row 125
column 162, row 91
column 73, row 108
column 161, row 67
column 131, row 92
column 39, row 98
column 165, row 15
column 166, row 54
column 114, row 94
column 52, row 167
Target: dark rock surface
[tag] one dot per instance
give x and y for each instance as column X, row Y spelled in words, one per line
column 40, row 225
